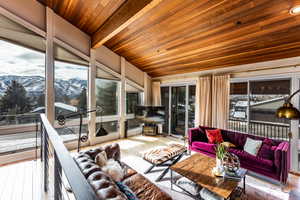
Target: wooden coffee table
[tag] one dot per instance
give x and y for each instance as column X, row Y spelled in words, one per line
column 198, row 168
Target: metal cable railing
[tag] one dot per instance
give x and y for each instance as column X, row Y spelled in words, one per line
column 62, row 178
column 279, row 131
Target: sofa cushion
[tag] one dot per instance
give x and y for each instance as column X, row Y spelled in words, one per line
column 204, row 146
column 214, row 136
column 89, row 168
column 254, row 161
column 144, row 189
column 200, row 135
column 105, row 187
column 266, row 151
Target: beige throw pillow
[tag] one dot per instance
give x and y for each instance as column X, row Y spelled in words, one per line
column 101, row 159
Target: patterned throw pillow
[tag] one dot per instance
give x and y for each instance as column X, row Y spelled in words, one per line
column 127, row 191
column 214, row 136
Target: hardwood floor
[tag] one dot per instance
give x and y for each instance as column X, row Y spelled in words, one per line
column 21, row 181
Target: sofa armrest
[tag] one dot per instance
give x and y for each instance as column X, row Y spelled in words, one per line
column 282, row 160
column 193, row 135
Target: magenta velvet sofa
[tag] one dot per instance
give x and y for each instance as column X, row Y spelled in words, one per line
column 272, row 162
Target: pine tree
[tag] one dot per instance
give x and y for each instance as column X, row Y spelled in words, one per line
column 82, row 99
column 41, row 100
column 15, row 100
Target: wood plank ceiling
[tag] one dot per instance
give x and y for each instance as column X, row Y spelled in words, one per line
column 181, row 36
column 87, row 15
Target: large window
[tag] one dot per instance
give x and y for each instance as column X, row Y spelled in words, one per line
column 253, row 110
column 238, row 106
column 70, row 84
column 70, row 87
column 132, row 100
column 107, row 96
column 22, row 84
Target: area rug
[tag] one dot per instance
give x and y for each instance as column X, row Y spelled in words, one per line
column 255, row 189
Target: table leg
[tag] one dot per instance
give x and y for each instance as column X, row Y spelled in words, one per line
column 244, row 184
column 171, row 179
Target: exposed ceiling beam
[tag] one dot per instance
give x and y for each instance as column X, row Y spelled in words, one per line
column 128, row 12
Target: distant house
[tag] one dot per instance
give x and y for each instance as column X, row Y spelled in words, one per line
column 240, row 110
column 60, row 108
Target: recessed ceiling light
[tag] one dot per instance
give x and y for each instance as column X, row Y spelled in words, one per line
column 295, row 10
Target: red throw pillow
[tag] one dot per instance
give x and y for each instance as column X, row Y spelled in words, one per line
column 214, row 136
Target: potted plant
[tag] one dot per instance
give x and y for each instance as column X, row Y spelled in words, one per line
column 221, row 151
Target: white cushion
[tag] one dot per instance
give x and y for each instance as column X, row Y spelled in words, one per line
column 114, row 169
column 252, row 146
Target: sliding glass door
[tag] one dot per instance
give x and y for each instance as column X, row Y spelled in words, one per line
column 178, row 107
column 179, row 102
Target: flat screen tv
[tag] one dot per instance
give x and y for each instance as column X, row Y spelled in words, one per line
column 150, row 114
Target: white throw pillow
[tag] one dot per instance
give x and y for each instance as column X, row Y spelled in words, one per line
column 252, row 146
column 101, row 159
column 114, row 169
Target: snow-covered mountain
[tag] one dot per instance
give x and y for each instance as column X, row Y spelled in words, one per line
column 35, row 85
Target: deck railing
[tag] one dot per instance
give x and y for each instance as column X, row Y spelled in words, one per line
column 272, row 130
column 62, row 178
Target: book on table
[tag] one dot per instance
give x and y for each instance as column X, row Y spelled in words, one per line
column 237, row 175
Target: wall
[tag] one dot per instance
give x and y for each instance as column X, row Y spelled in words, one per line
column 108, row 58
column 71, row 35
column 29, row 10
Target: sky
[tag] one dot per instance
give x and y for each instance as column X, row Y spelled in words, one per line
column 17, row 60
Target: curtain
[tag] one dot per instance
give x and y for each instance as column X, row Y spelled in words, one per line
column 203, row 101
column 156, row 95
column 220, row 100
